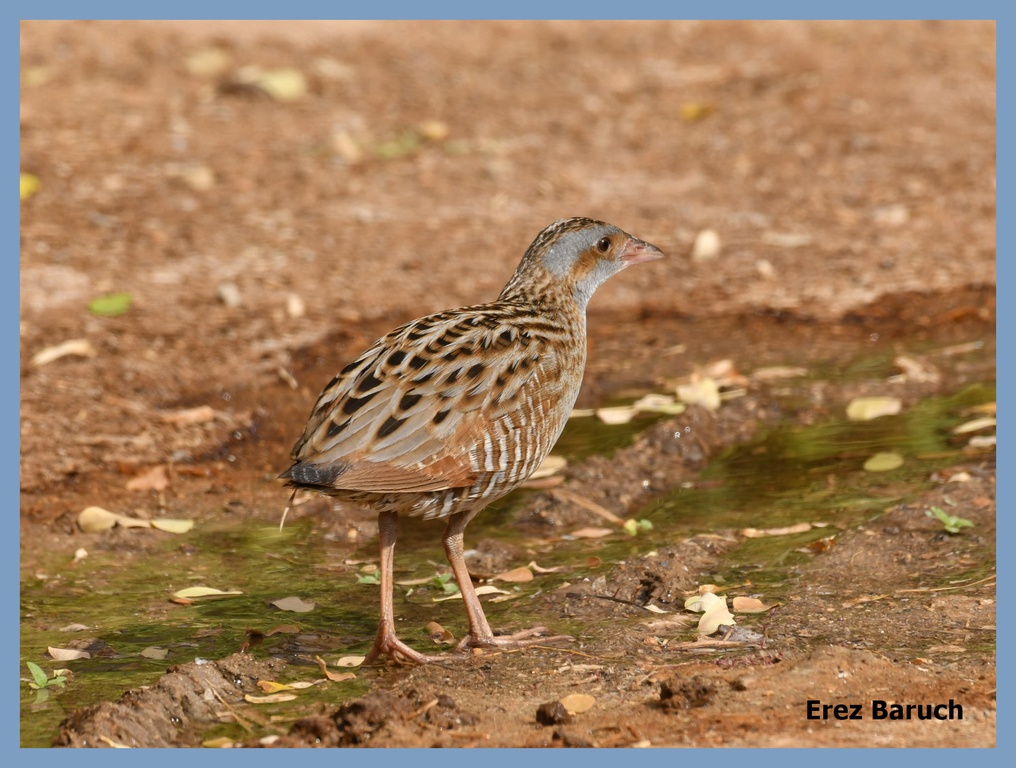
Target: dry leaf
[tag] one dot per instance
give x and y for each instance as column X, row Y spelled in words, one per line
column 707, row 245
column 715, row 615
column 294, row 604
column 704, row 392
column 350, row 661
column 486, row 589
column 656, row 403
column 592, row 506
column 110, row 743
column 749, row 605
column 283, row 84
column 283, row 629
column 76, row 347
column 335, row 677
column 701, row 602
column 273, row 698
column 439, row 634
column 415, row 582
column 884, row 461
column 220, row 742
column 758, row 533
column 620, row 414
column 947, row 649
column 515, row 576
column 269, row 686
column 655, row 609
column 96, row 519
column 867, row 408
column 591, row 533
column 975, row 425
column 554, row 569
column 199, row 415
column 914, row 370
column 67, row 654
column 551, row 465
column 773, row 372
column 154, row 479
column 132, row 522
column 577, row 703
column 172, row 526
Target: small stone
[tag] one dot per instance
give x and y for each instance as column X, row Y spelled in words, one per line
column 229, row 294
column 707, row 245
column 552, row 713
column 765, row 269
column 295, row 307
column 892, row 215
column 685, row 694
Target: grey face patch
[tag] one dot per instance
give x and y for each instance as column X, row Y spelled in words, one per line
column 560, row 258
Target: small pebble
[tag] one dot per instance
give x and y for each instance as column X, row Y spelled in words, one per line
column 707, row 245
column 229, row 294
column 552, row 713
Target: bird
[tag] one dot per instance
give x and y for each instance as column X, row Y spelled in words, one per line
column 450, row 412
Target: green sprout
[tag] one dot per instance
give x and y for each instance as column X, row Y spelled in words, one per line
column 951, row 523
column 41, row 681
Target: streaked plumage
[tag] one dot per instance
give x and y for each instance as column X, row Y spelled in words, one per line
column 452, row 411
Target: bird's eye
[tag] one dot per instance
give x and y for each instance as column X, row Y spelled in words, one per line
column 603, row 245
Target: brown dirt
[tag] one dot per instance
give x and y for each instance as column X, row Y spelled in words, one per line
column 848, row 167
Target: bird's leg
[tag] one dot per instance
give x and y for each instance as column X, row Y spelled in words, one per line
column 480, row 634
column 386, row 643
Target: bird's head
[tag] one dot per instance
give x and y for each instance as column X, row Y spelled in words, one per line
column 578, row 255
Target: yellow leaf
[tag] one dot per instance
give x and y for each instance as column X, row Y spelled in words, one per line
column 96, row 519
column 350, row 661
column 577, row 703
column 704, row 392
column 192, row 592
column 714, row 616
column 335, row 677
column 29, row 185
column 883, row 462
column 222, row 742
column 550, row 466
column 269, row 686
column 620, row 414
column 757, row 533
column 67, row 654
column 749, row 605
column 155, row 479
column 272, row 698
column 591, row 533
column 867, row 408
column 172, row 526
column 294, row 604
column 76, row 347
column 515, row 576
column 285, row 84
column 974, row 425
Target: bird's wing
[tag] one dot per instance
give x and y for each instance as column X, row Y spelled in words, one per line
column 438, row 403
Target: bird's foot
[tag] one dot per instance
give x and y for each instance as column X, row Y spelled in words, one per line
column 523, row 639
column 388, row 645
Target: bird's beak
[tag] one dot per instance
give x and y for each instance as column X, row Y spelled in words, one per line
column 638, row 251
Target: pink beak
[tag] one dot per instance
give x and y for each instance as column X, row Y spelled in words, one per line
column 638, row 251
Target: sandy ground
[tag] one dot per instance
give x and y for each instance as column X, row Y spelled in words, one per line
column 264, row 235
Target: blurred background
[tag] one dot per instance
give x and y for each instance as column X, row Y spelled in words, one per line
column 249, row 188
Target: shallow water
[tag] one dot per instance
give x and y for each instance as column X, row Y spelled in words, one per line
column 787, row 474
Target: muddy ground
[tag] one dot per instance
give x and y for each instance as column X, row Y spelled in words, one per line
column 848, row 169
